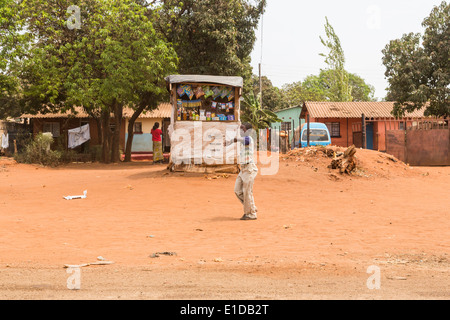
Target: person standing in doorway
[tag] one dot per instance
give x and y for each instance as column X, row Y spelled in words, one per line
column 157, row 143
column 244, row 182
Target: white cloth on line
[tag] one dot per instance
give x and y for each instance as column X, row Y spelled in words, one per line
column 5, row 141
column 78, row 136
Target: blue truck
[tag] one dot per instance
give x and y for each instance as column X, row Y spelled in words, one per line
column 318, row 135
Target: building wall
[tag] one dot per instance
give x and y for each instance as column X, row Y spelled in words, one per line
column 384, row 125
column 349, row 125
column 292, row 116
column 142, row 142
column 67, row 124
column 346, row 133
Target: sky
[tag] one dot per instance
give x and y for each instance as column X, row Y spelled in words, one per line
column 288, row 43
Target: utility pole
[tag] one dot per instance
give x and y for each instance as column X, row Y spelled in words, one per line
column 260, row 87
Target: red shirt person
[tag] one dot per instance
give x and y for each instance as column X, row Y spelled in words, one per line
column 157, row 143
column 156, row 134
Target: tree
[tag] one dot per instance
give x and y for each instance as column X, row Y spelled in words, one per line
column 418, row 68
column 253, row 113
column 317, row 88
column 9, row 43
column 210, row 36
column 361, row 91
column 338, row 80
column 273, row 98
column 333, row 83
column 114, row 59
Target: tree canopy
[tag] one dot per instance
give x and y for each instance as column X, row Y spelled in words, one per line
column 210, row 36
column 273, row 98
column 114, row 58
column 9, row 43
column 318, row 88
column 418, row 66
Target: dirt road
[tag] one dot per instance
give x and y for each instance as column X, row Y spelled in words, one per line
column 317, row 236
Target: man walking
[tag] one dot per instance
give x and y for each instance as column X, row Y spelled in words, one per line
column 244, row 181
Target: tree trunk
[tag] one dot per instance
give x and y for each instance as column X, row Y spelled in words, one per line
column 129, row 144
column 98, row 120
column 115, row 145
column 106, row 134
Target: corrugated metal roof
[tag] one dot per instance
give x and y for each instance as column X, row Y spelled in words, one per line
column 79, row 113
column 355, row 110
column 163, row 111
column 224, row 80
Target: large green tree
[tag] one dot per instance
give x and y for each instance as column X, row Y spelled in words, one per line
column 210, row 36
column 418, row 67
column 113, row 58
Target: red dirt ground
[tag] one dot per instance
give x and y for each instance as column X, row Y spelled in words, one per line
column 317, row 233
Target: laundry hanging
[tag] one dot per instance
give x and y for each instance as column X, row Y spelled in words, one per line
column 5, row 141
column 78, row 136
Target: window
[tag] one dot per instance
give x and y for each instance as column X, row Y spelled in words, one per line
column 137, row 128
column 285, row 126
column 53, row 128
column 334, row 128
column 315, row 135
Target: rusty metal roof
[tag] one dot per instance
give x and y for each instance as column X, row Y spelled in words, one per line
column 163, row 111
column 78, row 113
column 355, row 110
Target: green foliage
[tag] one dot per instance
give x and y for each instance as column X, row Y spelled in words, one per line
column 273, row 98
column 418, row 68
column 252, row 112
column 361, row 91
column 38, row 151
column 96, row 153
column 317, row 88
column 333, row 83
column 210, row 36
column 113, row 56
column 337, row 80
column 9, row 43
column 115, row 59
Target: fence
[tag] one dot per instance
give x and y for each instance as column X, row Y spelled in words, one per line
column 421, row 142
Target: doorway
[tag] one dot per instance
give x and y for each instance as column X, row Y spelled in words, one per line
column 369, row 136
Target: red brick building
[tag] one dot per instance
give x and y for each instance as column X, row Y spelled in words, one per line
column 344, row 121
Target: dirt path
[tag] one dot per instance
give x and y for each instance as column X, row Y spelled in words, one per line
column 317, row 234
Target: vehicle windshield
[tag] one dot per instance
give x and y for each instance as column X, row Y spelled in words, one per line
column 316, row 135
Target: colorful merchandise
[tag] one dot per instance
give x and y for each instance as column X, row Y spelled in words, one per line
column 208, row 91
column 199, row 92
column 191, row 103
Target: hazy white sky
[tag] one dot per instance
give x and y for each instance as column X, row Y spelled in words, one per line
column 290, row 45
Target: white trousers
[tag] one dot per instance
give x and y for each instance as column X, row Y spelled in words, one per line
column 244, row 187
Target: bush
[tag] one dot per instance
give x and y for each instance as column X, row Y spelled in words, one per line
column 96, row 152
column 38, row 151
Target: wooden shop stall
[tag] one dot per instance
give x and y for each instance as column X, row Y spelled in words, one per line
column 205, row 112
